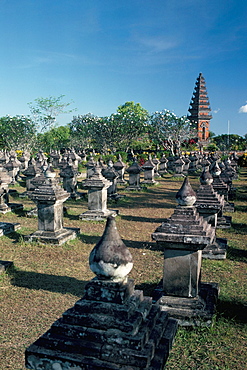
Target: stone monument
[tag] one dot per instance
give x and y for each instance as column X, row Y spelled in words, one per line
column 182, row 237
column 113, row 326
column 97, row 186
column 49, row 198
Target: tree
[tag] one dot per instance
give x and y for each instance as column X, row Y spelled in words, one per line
column 230, row 142
column 56, row 138
column 45, row 111
column 116, row 132
column 17, row 133
column 131, row 121
column 170, row 131
column 83, row 130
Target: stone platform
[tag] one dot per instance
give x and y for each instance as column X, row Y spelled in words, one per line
column 216, row 250
column 112, row 327
column 195, row 311
column 57, row 237
column 8, row 227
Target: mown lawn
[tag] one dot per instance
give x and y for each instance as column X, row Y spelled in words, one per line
column 46, row 279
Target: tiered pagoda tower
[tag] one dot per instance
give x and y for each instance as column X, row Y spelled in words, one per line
column 200, row 112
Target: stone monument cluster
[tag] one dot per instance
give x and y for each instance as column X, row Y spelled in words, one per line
column 114, row 326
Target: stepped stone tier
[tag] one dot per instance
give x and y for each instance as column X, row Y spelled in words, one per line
column 221, row 188
column 97, row 186
column 200, row 112
column 183, row 236
column 209, row 204
column 113, row 326
column 49, row 198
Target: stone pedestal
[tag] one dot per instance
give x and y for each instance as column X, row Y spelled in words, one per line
column 13, row 168
column 119, row 166
column 134, row 172
column 163, row 165
column 148, row 168
column 49, row 198
column 183, row 236
column 111, row 175
column 69, row 175
column 5, row 180
column 97, row 197
column 179, row 167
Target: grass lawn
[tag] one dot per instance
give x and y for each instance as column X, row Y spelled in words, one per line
column 46, row 280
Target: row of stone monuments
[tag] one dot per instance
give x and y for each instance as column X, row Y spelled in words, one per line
column 114, row 326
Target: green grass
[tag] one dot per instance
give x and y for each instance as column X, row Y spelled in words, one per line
column 46, row 280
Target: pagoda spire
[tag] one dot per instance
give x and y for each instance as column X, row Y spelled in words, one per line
column 200, row 112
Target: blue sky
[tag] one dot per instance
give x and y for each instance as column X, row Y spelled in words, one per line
column 102, row 53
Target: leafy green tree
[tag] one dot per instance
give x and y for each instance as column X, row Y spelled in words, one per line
column 170, row 131
column 56, row 138
column 83, row 129
column 230, row 142
column 116, row 132
column 45, row 111
column 17, row 133
column 131, row 121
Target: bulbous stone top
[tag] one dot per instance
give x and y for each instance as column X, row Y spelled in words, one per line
column 186, row 195
column 206, row 178
column 134, row 168
column 215, row 169
column 110, row 258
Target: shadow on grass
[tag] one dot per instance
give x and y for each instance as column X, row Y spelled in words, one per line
column 240, row 228
column 232, row 311
column 52, row 283
column 88, row 239
column 142, row 219
column 235, row 254
column 240, row 208
column 141, row 245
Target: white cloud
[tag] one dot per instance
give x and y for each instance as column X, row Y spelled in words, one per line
column 156, row 44
column 216, row 110
column 243, row 109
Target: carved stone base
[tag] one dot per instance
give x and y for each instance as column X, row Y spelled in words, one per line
column 112, row 327
column 8, row 227
column 224, row 222
column 216, row 251
column 58, row 237
column 92, row 215
column 197, row 311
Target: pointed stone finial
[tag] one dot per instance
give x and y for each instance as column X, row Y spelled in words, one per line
column 186, row 195
column 110, row 258
column 206, row 178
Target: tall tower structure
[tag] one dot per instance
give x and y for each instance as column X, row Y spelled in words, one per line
column 200, row 112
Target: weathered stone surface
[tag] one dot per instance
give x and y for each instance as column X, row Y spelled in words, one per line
column 128, row 334
column 49, row 198
column 97, row 186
